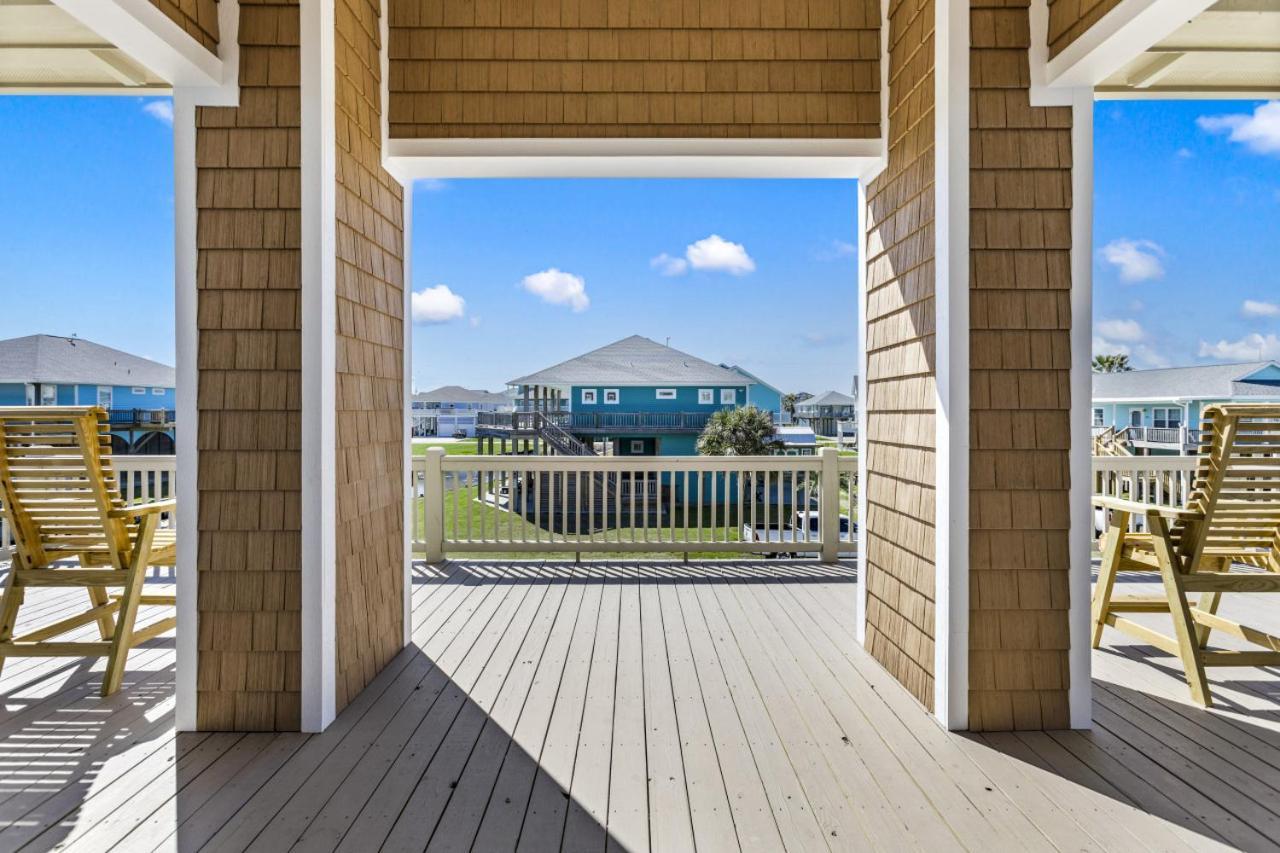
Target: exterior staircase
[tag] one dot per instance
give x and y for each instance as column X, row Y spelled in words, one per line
column 1112, row 442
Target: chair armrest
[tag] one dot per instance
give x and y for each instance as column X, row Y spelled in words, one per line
column 143, row 509
column 1140, row 508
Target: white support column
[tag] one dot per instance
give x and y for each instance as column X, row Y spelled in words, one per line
column 410, row 499
column 187, row 338
column 860, row 615
column 951, row 301
column 1080, row 694
column 318, row 364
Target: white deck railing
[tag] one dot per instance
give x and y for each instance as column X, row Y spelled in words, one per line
column 1159, row 480
column 655, row 504
column 141, row 479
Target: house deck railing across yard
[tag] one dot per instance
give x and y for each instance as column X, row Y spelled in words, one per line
column 792, row 505
column 1159, row 480
column 161, row 418
column 595, row 422
column 141, row 479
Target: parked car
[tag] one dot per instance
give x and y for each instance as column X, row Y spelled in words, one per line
column 796, row 533
column 461, row 433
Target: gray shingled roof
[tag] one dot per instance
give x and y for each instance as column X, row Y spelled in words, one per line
column 68, row 361
column 458, row 394
column 827, row 398
column 634, row 361
column 1199, row 381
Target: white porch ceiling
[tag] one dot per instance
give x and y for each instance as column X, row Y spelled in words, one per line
column 44, row 49
column 1231, row 47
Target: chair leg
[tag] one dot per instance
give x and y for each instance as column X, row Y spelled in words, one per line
column 9, row 605
column 122, row 641
column 1184, row 627
column 106, row 622
column 1111, row 552
column 1209, row 602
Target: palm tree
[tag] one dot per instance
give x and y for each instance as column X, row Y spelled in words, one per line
column 747, row 431
column 1117, row 363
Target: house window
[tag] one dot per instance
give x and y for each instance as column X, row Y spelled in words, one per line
column 48, row 395
column 1098, row 417
column 611, row 397
column 589, row 396
column 666, row 393
column 104, row 396
column 138, row 391
column 1167, row 418
column 157, row 392
column 637, row 446
column 728, row 396
column 706, row 396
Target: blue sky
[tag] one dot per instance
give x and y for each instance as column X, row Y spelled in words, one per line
column 515, row 275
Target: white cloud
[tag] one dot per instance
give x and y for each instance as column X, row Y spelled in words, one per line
column 431, row 185
column 718, row 254
column 668, row 265
column 1257, row 308
column 160, row 110
column 437, row 304
column 1186, row 153
column 1259, row 132
column 1121, row 330
column 1141, row 354
column 473, row 322
column 1137, row 260
column 558, row 288
column 1249, row 348
column 824, row 339
column 837, row 250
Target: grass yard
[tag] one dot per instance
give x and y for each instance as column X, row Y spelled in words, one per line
column 459, row 447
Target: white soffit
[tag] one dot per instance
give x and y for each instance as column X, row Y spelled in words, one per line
column 1231, row 48
column 44, row 49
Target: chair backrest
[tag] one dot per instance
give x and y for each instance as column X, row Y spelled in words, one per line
column 57, row 486
column 1237, row 486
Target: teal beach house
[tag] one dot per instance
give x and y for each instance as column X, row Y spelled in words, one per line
column 138, row 393
column 1158, row 412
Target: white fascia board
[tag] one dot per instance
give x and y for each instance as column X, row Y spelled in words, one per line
column 951, row 252
column 187, row 372
column 319, row 325
column 1117, row 39
column 147, row 35
column 1185, row 93
column 407, row 390
column 411, row 159
column 1080, row 541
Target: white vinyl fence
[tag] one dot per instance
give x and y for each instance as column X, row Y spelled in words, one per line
column 787, row 505
column 141, row 479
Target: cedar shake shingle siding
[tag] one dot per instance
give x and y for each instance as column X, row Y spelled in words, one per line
column 370, row 364
column 634, row 68
column 249, row 397
column 199, row 18
column 1020, row 364
column 1069, row 19
column 899, row 432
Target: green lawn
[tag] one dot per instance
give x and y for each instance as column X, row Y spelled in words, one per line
column 461, row 447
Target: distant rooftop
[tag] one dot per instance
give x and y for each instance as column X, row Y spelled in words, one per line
column 458, row 394
column 1241, row 379
column 827, row 398
column 76, row 361
column 634, row 361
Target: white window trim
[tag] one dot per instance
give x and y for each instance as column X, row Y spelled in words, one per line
column 590, row 396
column 665, row 393
column 110, row 395
column 728, row 396
column 617, row 397
column 157, row 392
column 1099, row 416
column 1142, row 416
column 45, row 389
column 706, row 396
column 634, row 443
column 138, row 390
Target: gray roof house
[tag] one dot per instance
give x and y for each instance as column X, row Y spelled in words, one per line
column 633, row 361
column 1159, row 410
column 76, row 361
column 452, row 395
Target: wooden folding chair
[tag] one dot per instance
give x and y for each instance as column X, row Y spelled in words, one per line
column 1229, row 530
column 63, row 502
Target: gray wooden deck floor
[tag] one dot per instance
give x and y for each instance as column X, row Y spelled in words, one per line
column 713, row 707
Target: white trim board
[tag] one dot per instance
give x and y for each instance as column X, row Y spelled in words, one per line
column 411, row 159
column 951, row 253
column 1080, row 541
column 410, row 499
column 319, row 363
column 860, row 618
column 147, row 36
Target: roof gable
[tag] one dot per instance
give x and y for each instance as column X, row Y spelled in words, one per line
column 635, row 360
column 76, row 361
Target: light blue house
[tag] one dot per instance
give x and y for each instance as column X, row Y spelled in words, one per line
column 1158, row 411
column 636, row 396
column 46, row 370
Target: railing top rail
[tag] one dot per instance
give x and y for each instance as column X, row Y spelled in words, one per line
column 845, row 464
column 1144, row 463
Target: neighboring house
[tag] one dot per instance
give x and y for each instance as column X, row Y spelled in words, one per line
column 823, row 412
column 761, row 394
column 639, row 396
column 450, row 410
column 797, row 440
column 46, row 370
column 1158, row 411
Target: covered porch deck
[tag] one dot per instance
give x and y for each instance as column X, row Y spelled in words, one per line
column 651, row 705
